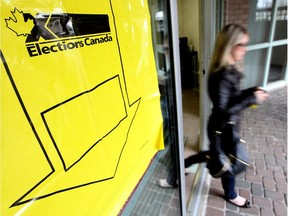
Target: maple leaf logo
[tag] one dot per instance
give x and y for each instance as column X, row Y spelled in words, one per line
column 17, row 24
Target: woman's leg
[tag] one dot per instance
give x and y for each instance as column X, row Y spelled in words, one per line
column 197, row 158
column 228, row 184
column 171, row 180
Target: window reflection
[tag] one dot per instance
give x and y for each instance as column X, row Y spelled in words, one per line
column 260, row 18
column 261, row 4
column 281, row 22
column 254, row 67
column 278, row 64
column 159, row 25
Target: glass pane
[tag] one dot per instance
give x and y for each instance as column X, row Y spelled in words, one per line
column 260, row 21
column 278, row 64
column 149, row 198
column 281, row 21
column 254, row 68
column 159, row 26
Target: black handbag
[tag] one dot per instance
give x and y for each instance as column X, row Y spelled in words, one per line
column 228, row 155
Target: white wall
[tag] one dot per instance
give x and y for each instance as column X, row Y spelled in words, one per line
column 188, row 12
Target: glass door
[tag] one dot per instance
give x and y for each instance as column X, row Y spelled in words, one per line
column 149, row 197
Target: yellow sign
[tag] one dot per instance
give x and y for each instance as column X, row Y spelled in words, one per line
column 80, row 110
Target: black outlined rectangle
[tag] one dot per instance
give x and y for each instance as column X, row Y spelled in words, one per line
column 91, row 115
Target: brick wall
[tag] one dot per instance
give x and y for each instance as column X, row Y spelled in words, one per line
column 236, row 11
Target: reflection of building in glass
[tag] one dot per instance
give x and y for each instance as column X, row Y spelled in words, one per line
column 264, row 4
column 268, row 3
column 264, row 10
column 282, row 13
column 263, row 16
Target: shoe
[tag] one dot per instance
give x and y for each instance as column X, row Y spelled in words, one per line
column 247, row 203
column 187, row 171
column 164, row 184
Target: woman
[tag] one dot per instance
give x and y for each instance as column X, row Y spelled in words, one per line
column 227, row 97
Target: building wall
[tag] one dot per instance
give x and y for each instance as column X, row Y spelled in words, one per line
column 236, row 11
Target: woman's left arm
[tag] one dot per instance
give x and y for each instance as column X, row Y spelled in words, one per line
column 241, row 100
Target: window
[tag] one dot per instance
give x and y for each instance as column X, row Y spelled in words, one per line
column 266, row 20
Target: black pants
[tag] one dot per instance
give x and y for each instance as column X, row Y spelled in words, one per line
column 197, row 158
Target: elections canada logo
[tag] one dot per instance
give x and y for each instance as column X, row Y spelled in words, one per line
column 51, row 33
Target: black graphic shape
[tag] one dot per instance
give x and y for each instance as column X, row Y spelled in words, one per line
column 89, row 23
column 66, row 25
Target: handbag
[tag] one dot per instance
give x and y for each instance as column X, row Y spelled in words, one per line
column 228, row 156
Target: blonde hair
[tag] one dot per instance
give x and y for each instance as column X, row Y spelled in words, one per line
column 230, row 35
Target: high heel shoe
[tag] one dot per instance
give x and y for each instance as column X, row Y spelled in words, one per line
column 247, row 203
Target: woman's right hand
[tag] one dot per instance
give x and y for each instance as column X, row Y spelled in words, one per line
column 261, row 95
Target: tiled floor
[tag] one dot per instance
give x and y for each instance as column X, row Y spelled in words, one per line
column 149, row 198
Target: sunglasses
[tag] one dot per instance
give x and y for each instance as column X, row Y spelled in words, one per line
column 241, row 45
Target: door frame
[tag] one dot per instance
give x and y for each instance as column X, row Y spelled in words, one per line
column 178, row 93
column 207, row 10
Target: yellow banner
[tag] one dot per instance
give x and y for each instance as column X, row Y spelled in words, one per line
column 80, row 110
